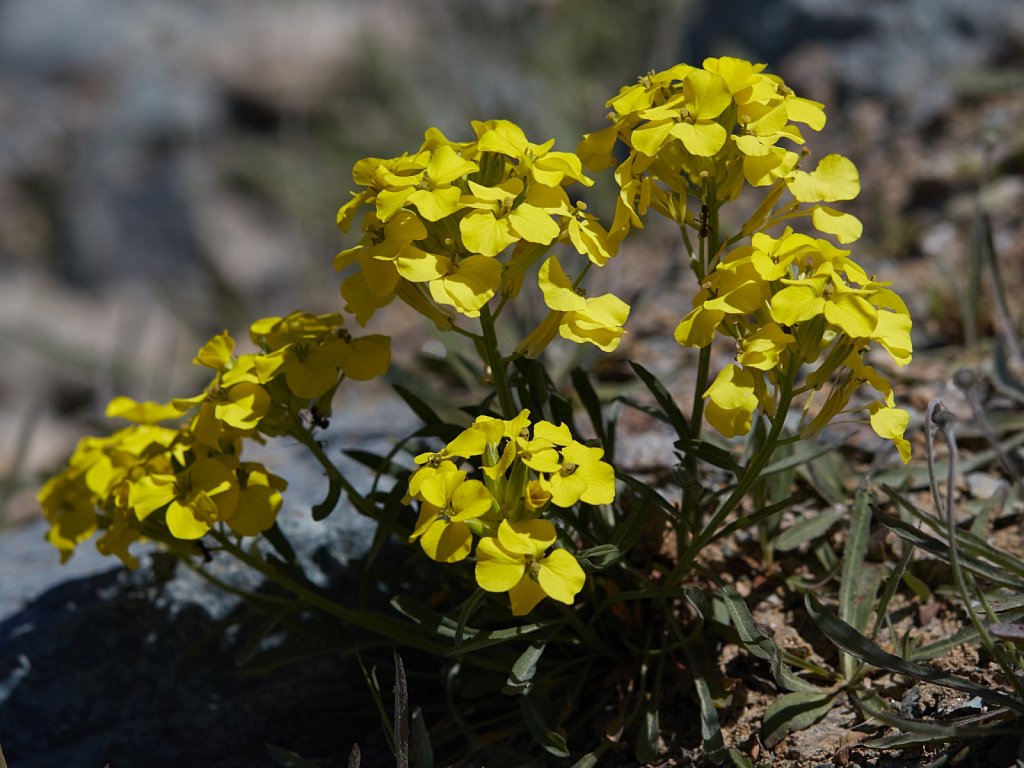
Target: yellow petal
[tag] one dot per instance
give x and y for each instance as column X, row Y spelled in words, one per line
column 496, row 569
column 447, row 542
column 698, row 328
column 557, row 288
column 835, row 178
column 561, row 576
column 703, row 139
column 145, row 412
column 525, row 595
column 891, row 423
column 846, row 227
column 533, row 224
column 367, row 357
column 484, row 234
column 191, row 522
column 216, row 353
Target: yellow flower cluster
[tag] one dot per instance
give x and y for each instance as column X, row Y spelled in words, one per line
column 693, row 137
column 189, row 478
column 524, row 471
column 457, row 223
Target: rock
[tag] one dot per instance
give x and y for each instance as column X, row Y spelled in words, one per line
column 104, row 665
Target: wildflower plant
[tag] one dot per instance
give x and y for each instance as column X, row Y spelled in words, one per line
column 521, row 511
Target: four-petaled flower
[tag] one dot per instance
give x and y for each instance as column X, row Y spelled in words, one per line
column 514, row 561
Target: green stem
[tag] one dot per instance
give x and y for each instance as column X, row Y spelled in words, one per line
column 703, row 371
column 305, row 437
column 391, row 628
column 701, row 386
column 497, row 365
column 750, row 475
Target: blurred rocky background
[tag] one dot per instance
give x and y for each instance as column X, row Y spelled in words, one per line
column 171, row 168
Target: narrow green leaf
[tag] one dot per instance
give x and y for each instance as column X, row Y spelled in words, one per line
column 664, row 400
column 940, row 549
column 966, row 634
column 710, row 726
column 746, row 521
column 401, row 714
column 599, row 557
column 534, row 386
column 921, row 732
column 826, row 474
column 252, row 643
column 611, row 430
column 709, row 454
column 520, row 678
column 287, row 759
column 591, row 403
column 481, row 640
column 801, row 458
column 427, row 617
column 381, row 465
column 969, row 545
column 552, row 742
column 646, row 748
column 422, row 752
column 589, row 760
column 325, row 507
column 417, row 405
column 279, row 542
column 809, row 528
column 760, row 643
column 739, row 759
column 850, row 640
column 793, row 712
column 1000, row 604
column 917, row 477
column 858, row 583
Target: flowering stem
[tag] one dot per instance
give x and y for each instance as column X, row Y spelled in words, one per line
column 750, row 474
column 387, row 626
column 491, row 354
column 334, row 475
column 697, row 412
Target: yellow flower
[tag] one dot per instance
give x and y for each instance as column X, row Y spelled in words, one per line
column 891, row 423
column 761, row 349
column 598, row 320
column 69, row 507
column 195, row 498
column 468, row 284
column 431, row 189
column 514, row 562
column 580, row 476
column 448, row 500
column 835, row 178
column 259, row 499
column 589, row 238
column 503, row 216
column 706, row 96
column 535, row 161
column 731, row 401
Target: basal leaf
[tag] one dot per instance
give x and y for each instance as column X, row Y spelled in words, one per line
column 793, row 712
column 850, row 640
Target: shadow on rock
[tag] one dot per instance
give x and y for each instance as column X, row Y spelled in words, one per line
column 119, row 668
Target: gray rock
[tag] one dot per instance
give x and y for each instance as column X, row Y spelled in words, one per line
column 104, row 665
